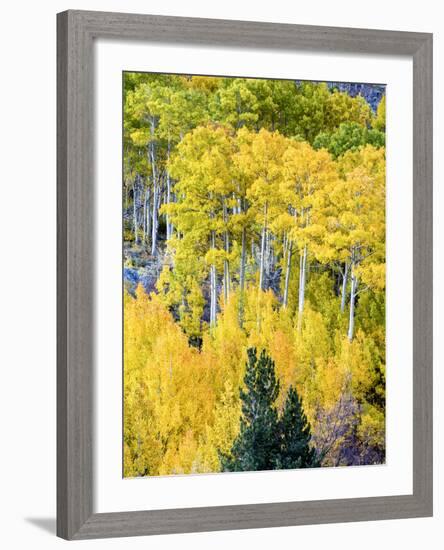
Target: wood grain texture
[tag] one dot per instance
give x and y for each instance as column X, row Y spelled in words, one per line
column 62, row 294
column 77, row 31
column 74, row 276
column 218, row 32
column 423, row 274
column 222, row 518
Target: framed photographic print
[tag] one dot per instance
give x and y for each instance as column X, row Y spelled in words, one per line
column 244, row 275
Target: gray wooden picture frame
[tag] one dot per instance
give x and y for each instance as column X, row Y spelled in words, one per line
column 76, row 32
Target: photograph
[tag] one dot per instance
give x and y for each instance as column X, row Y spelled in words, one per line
column 220, row 332
column 253, row 274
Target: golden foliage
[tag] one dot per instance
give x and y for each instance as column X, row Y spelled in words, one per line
column 182, row 404
column 229, row 167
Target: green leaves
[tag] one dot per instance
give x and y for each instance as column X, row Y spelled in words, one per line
column 267, row 441
column 245, row 199
column 257, row 445
column 295, row 434
column 350, row 136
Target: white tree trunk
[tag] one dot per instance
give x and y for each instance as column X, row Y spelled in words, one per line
column 213, row 285
column 212, row 304
column 227, row 250
column 226, row 277
column 144, row 219
column 302, row 278
column 243, row 259
column 287, row 273
column 146, row 211
column 285, row 246
column 136, row 231
column 353, row 293
column 148, row 216
column 344, row 287
column 263, row 239
column 168, row 198
column 242, row 275
column 156, row 190
column 155, row 221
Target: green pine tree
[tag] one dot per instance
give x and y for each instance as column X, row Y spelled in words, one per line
column 257, row 445
column 267, row 441
column 295, row 436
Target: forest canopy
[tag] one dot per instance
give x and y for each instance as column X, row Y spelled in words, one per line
column 254, row 226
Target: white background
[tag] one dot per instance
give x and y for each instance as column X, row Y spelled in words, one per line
column 112, row 493
column 28, row 276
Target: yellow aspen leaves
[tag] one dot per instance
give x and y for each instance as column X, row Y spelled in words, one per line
column 242, row 230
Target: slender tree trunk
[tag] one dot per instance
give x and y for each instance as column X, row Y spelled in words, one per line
column 243, row 259
column 302, row 278
column 263, row 239
column 212, row 315
column 154, row 221
column 242, row 275
column 213, row 285
column 285, row 246
column 287, row 273
column 227, row 250
column 171, row 223
column 136, row 232
column 226, row 270
column 262, row 261
column 156, row 190
column 214, row 295
column 272, row 256
column 168, row 196
column 148, row 216
column 145, row 216
column 211, row 296
column 353, row 292
column 344, row 287
column 267, row 254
